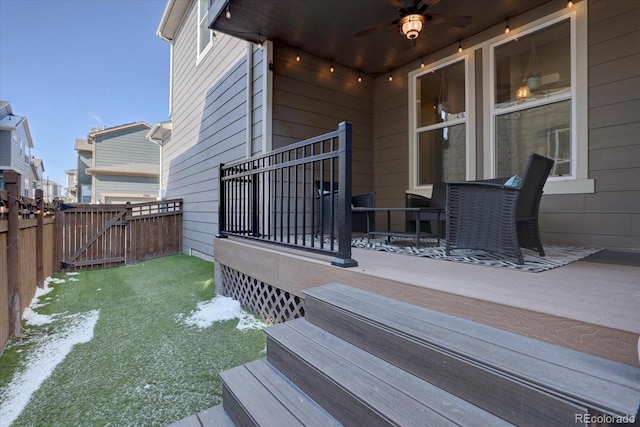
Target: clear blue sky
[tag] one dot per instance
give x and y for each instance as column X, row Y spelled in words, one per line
column 70, row 65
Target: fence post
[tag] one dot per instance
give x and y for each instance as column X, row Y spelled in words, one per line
column 222, row 204
column 343, row 258
column 128, row 220
column 39, row 239
column 11, row 180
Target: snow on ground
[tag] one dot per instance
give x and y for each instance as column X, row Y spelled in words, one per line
column 221, row 309
column 47, row 353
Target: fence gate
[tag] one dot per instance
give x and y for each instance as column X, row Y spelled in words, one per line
column 91, row 236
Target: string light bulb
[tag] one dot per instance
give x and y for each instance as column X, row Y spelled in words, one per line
column 459, row 46
column 390, row 78
column 227, row 12
column 298, row 55
column 421, row 62
column 259, row 40
column 569, row 3
column 506, row 27
column 359, row 77
column 331, row 67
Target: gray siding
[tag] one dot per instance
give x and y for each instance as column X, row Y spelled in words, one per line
column 5, row 148
column 611, row 216
column 309, row 100
column 209, row 120
column 84, row 162
column 118, row 184
column 126, row 146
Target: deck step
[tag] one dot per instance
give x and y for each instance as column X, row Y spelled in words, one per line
column 517, row 378
column 256, row 394
column 212, row 417
column 358, row 388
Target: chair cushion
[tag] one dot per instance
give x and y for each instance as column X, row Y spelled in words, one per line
column 514, row 181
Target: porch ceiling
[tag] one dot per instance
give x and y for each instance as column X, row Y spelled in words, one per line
column 326, row 28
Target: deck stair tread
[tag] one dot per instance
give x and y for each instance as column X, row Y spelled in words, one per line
column 361, row 388
column 552, row 372
column 211, row 417
column 269, row 399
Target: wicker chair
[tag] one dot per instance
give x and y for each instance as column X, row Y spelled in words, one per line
column 495, row 217
column 431, row 219
column 324, row 215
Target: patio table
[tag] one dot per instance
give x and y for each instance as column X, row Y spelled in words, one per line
column 421, row 214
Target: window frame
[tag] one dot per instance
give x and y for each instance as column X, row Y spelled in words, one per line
column 577, row 181
column 468, row 120
column 203, row 48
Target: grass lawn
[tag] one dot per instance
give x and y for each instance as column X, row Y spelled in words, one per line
column 144, row 363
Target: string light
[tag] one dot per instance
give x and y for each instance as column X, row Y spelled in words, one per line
column 359, row 77
column 569, row 3
column 421, row 62
column 390, row 78
column 459, row 46
column 259, row 40
column 298, row 55
column 331, row 67
column 506, row 27
column 227, row 12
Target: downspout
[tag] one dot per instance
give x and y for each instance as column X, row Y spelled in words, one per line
column 249, row 115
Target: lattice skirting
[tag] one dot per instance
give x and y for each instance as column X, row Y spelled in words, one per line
column 272, row 304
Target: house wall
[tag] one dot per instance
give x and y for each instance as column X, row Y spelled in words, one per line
column 126, row 146
column 611, row 216
column 108, row 186
column 84, row 162
column 309, row 100
column 21, row 162
column 209, row 120
column 5, row 148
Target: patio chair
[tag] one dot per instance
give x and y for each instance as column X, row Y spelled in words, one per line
column 431, row 219
column 323, row 209
column 496, row 215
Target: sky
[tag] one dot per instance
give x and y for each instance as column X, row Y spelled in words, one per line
column 73, row 65
column 50, row 349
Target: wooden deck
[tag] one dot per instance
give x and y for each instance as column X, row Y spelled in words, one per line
column 585, row 306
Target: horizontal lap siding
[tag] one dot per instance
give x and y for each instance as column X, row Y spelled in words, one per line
column 309, row 100
column 209, row 121
column 611, row 216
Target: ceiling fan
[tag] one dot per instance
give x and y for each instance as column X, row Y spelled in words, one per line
column 414, row 17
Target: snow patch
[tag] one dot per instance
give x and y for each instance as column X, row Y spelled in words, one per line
column 41, row 362
column 221, row 309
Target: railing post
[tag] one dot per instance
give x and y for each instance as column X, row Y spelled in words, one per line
column 222, row 203
column 11, row 180
column 39, row 238
column 343, row 258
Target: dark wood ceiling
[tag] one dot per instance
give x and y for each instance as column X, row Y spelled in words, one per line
column 326, row 28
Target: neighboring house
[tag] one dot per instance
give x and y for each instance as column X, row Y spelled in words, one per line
column 51, row 190
column 16, row 145
column 116, row 165
column 231, row 100
column 160, row 134
column 37, row 166
column 70, row 190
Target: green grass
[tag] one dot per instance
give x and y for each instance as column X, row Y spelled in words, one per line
column 144, row 365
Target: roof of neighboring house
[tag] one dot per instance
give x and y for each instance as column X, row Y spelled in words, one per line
column 82, row 145
column 37, row 162
column 160, row 131
column 101, row 132
column 12, row 121
column 133, row 169
column 172, row 18
column 71, row 171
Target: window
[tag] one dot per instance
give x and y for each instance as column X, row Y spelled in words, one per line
column 532, row 99
column 440, row 118
column 205, row 35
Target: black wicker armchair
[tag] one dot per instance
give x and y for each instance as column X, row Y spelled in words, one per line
column 495, row 217
column 327, row 205
column 433, row 214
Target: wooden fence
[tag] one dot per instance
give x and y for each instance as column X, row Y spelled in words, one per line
column 37, row 240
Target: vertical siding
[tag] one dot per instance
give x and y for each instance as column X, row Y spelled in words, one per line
column 308, row 100
column 208, row 115
column 611, row 216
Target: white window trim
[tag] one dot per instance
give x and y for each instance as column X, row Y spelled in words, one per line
column 578, row 182
column 205, row 20
column 470, row 120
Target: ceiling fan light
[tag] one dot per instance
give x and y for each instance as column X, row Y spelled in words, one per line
column 411, row 25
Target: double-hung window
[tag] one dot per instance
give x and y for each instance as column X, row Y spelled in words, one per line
column 205, row 35
column 440, row 117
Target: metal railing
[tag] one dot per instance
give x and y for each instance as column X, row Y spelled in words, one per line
column 293, row 196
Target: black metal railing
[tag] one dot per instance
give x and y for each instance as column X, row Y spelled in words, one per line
column 294, row 196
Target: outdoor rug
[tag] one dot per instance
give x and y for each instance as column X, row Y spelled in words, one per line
column 555, row 256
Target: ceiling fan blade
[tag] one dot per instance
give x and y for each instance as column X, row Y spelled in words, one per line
column 397, row 4
column 375, row 28
column 454, row 21
column 428, row 3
